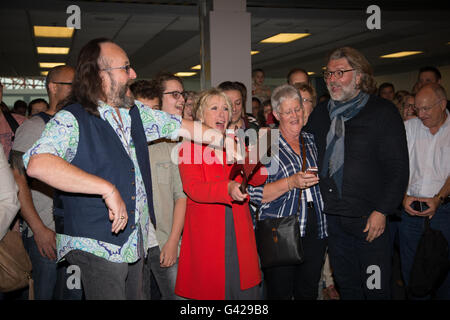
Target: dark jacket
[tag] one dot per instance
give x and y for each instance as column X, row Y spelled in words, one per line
column 376, row 164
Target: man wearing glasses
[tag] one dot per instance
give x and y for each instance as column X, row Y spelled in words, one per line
column 363, row 169
column 35, row 198
column 95, row 152
column 428, row 191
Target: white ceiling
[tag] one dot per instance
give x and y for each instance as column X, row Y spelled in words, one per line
column 164, row 35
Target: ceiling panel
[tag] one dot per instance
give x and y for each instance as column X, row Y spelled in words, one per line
column 164, row 34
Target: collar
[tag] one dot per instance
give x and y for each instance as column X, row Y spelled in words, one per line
column 104, row 108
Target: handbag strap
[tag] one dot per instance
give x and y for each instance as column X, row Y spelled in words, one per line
column 303, row 170
column 13, row 124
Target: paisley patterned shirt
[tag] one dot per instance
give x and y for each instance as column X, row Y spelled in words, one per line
column 60, row 138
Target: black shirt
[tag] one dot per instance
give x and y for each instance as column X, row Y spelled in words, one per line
column 376, row 164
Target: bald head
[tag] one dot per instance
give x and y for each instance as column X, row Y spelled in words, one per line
column 117, row 75
column 59, row 85
column 55, row 73
column 431, row 101
column 433, row 88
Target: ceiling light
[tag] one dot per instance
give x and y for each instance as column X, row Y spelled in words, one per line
column 254, row 52
column 401, row 54
column 285, row 37
column 185, row 74
column 53, row 32
column 50, row 64
column 310, row 73
column 44, row 73
column 197, row 67
column 52, row 50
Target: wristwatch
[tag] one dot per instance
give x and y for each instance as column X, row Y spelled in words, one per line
column 441, row 198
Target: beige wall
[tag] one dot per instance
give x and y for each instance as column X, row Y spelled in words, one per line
column 405, row 81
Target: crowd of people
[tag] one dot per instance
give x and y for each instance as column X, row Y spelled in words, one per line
column 129, row 181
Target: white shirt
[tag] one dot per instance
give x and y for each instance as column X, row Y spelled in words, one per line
column 429, row 157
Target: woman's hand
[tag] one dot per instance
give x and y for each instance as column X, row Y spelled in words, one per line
column 235, row 192
column 302, row 180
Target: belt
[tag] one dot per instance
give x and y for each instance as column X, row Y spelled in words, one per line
column 310, row 204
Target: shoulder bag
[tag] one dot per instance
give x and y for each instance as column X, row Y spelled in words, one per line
column 278, row 239
column 15, row 264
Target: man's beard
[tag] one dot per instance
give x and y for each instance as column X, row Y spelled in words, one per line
column 346, row 93
column 119, row 97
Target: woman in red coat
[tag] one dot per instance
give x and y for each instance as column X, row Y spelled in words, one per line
column 218, row 258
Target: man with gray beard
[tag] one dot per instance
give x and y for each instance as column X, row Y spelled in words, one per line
column 363, row 167
column 95, row 152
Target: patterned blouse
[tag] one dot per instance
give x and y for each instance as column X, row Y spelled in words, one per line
column 60, row 138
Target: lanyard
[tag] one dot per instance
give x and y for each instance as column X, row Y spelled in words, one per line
column 125, row 137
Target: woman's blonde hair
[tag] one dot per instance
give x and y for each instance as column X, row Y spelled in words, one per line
column 203, row 100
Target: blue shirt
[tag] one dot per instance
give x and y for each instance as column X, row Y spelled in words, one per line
column 283, row 164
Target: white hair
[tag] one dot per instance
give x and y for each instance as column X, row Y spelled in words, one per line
column 282, row 93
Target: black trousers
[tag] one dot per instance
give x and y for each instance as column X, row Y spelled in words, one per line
column 361, row 269
column 299, row 282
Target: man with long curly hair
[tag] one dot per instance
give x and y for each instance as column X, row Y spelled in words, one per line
column 363, row 167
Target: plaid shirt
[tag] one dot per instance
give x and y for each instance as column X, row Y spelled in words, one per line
column 283, row 164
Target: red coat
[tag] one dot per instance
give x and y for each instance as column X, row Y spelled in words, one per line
column 201, row 266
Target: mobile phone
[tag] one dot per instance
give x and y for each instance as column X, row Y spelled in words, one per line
column 312, row 170
column 419, row 206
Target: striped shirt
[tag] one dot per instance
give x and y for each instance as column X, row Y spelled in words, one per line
column 283, row 164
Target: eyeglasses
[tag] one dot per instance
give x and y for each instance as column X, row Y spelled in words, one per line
column 60, row 82
column 127, row 68
column 338, row 73
column 177, row 94
column 290, row 112
column 307, row 100
column 410, row 105
column 426, row 109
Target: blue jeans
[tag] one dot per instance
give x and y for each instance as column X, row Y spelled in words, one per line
column 361, row 269
column 44, row 271
column 165, row 277
column 411, row 229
